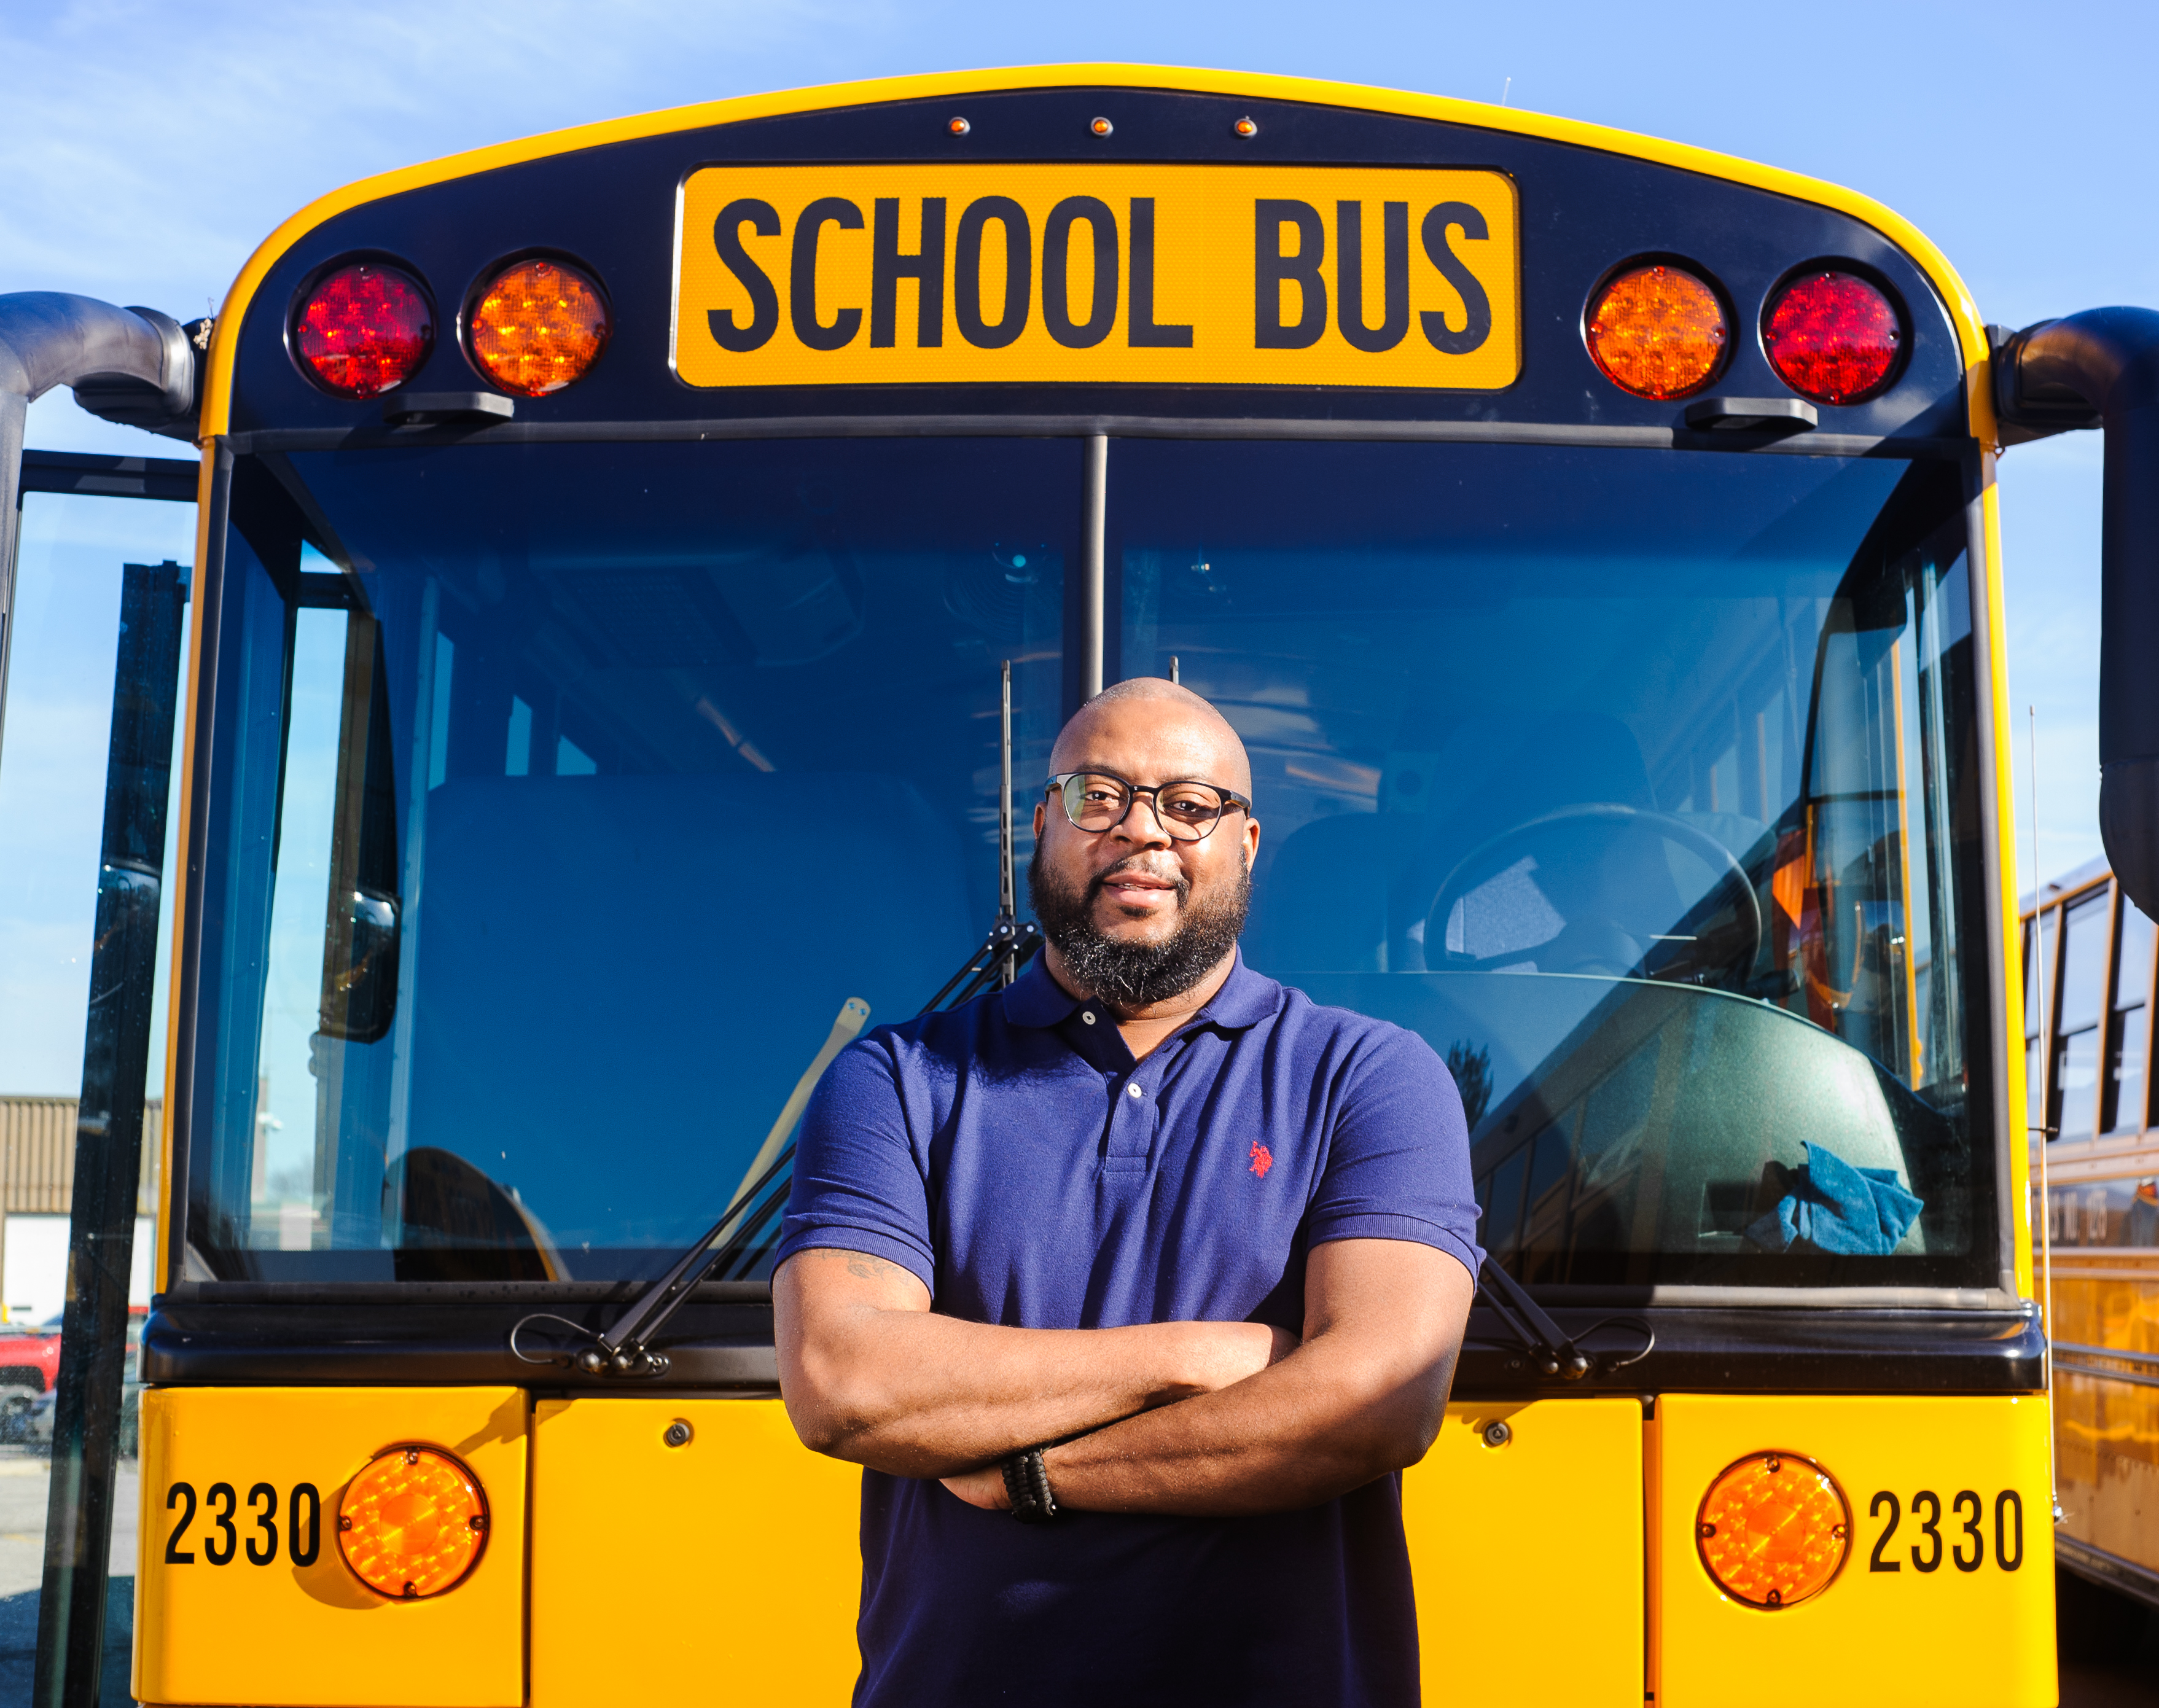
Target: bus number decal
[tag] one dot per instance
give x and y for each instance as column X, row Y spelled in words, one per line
column 1972, row 1530
column 222, row 1492
column 178, row 1493
column 2008, row 1504
column 303, row 1523
column 266, row 1522
column 303, row 1554
column 1877, row 1563
column 1968, row 1511
column 1930, row 1529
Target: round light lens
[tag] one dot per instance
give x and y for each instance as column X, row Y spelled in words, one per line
column 363, row 329
column 413, row 1523
column 1774, row 1530
column 1832, row 337
column 1657, row 332
column 540, row 326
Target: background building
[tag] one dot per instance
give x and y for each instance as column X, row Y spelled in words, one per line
column 37, row 1178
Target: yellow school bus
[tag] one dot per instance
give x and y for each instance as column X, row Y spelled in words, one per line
column 2088, row 963
column 636, row 566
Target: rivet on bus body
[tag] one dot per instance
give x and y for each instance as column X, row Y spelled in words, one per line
column 958, row 127
column 678, row 1434
column 1101, row 127
column 1497, row 1434
column 1246, row 127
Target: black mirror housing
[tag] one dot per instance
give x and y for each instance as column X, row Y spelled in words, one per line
column 2103, row 365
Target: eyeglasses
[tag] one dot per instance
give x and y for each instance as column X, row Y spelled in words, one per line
column 1096, row 801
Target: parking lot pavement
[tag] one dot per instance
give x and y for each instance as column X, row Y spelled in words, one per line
column 23, row 1477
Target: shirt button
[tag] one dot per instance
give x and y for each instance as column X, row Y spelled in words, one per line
column 1085, row 1018
column 1134, row 1091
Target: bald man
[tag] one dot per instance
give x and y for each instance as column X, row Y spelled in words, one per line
column 1148, row 1253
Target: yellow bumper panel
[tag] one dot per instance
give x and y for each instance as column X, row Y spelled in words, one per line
column 1527, row 1555
column 1946, row 1593
column 242, row 1593
column 737, row 1549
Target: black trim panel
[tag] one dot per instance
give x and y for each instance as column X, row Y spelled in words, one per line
column 1122, row 427
column 167, row 479
column 238, row 1334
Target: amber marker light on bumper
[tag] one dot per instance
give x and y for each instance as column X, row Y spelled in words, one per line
column 540, row 325
column 1774, row 1530
column 412, row 1523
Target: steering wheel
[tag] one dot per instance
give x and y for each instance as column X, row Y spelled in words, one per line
column 1593, row 941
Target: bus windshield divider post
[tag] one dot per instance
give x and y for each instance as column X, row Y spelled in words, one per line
column 624, row 1347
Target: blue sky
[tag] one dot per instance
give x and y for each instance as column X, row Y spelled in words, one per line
column 146, row 150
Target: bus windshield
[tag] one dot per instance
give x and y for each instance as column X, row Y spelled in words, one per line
column 566, row 824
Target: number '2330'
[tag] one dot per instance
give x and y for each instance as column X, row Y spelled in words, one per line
column 224, row 1515
column 1965, row 1547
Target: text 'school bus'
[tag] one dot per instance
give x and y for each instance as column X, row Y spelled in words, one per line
column 2088, row 1013
column 611, row 548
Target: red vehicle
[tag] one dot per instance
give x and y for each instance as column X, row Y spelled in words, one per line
column 30, row 1365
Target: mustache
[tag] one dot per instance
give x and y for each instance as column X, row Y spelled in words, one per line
column 1136, row 865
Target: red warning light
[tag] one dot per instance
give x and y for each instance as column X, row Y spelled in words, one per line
column 1832, row 336
column 363, row 329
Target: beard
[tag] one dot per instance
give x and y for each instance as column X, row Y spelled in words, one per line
column 1130, row 974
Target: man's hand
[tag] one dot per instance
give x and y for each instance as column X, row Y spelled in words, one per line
column 869, row 1373
column 1362, row 1396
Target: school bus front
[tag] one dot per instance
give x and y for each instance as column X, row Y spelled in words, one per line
column 612, row 546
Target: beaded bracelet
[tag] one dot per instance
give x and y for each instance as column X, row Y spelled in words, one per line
column 1027, row 1481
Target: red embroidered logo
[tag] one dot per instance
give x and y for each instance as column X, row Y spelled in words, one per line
column 1262, row 1159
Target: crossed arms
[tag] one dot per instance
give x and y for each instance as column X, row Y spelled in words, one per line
column 1195, row 1418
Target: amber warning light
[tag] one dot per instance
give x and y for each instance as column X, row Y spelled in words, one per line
column 539, row 326
column 1657, row 332
column 1774, row 1530
column 412, row 1523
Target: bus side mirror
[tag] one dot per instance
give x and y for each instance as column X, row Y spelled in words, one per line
column 361, row 936
column 2101, row 368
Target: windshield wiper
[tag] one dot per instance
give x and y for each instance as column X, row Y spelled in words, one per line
column 1543, row 1339
column 624, row 1347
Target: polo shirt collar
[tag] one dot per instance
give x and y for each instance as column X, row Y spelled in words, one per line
column 1245, row 999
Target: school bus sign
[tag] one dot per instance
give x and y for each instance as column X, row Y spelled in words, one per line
column 1158, row 275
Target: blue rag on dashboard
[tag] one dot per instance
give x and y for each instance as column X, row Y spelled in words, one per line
column 1835, row 1207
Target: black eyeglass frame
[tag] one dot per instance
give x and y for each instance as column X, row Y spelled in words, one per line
column 1058, row 783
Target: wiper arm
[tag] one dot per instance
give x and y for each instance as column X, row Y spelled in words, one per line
column 624, row 1347
column 1543, row 1339
column 1010, row 944
column 621, row 1349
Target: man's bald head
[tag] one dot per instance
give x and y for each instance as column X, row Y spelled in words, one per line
column 1183, row 734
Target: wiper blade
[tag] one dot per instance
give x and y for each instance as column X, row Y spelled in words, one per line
column 624, row 1347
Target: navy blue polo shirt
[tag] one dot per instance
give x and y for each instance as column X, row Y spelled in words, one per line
column 1013, row 1154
